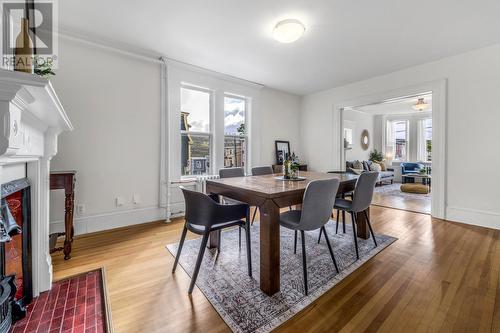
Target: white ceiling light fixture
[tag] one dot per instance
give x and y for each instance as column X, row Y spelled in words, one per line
column 421, row 105
column 288, row 31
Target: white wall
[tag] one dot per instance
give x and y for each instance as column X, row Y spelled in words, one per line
column 113, row 101
column 280, row 121
column 360, row 121
column 472, row 121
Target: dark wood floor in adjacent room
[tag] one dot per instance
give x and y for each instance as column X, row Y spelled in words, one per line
column 438, row 276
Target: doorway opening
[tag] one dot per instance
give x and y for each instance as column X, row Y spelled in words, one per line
column 395, row 138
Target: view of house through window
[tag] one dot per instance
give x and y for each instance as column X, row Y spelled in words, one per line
column 400, row 137
column 235, row 139
column 196, row 139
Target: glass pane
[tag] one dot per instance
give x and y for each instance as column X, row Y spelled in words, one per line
column 195, row 154
column 428, row 138
column 234, row 151
column 234, row 115
column 400, row 129
column 195, row 110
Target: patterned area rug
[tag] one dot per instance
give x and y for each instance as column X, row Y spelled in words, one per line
column 238, row 298
column 76, row 304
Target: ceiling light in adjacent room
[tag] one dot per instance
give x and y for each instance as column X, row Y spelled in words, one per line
column 421, row 105
column 288, row 31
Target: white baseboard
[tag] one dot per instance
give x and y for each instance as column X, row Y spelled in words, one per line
column 477, row 217
column 112, row 220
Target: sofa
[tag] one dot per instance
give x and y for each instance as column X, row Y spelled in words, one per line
column 384, row 176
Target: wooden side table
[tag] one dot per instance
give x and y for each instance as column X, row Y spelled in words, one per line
column 65, row 180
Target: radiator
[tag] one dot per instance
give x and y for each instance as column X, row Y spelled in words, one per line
column 201, row 182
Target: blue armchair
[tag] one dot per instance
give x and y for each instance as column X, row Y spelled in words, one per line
column 408, row 167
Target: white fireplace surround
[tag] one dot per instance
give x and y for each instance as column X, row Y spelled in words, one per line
column 31, row 118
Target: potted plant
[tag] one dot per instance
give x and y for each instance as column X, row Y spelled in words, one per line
column 376, row 156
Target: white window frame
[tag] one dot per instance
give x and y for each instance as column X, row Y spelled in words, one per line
column 246, row 136
column 407, row 140
column 210, row 133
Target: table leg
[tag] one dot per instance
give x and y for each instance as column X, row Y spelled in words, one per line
column 361, row 225
column 68, row 224
column 269, row 248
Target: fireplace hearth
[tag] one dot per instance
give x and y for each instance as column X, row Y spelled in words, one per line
column 15, row 252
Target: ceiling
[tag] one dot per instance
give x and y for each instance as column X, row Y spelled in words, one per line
column 345, row 40
column 397, row 106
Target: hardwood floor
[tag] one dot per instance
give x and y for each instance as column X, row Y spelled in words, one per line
column 390, row 195
column 438, row 276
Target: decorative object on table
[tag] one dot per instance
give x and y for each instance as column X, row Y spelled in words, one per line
column 56, row 309
column 291, row 167
column 64, row 180
column 365, row 139
column 237, row 297
column 23, row 54
column 282, row 150
column 376, row 156
column 297, row 179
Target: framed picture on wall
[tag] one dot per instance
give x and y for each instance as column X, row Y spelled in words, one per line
column 282, row 150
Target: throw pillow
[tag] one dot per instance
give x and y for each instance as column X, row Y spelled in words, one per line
column 357, row 165
column 375, row 167
column 356, row 171
column 382, row 166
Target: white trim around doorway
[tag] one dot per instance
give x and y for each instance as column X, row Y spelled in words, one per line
column 439, row 152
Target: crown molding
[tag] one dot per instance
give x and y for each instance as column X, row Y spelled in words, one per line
column 147, row 55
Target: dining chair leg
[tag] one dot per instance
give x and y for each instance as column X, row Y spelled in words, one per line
column 370, row 226
column 239, row 239
column 343, row 221
column 337, row 224
column 181, row 243
column 198, row 262
column 295, row 243
column 304, row 261
column 249, row 245
column 330, row 249
column 320, row 232
column 254, row 213
column 353, row 219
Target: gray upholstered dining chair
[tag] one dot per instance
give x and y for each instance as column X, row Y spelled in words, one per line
column 204, row 215
column 361, row 201
column 260, row 171
column 232, row 173
column 319, row 198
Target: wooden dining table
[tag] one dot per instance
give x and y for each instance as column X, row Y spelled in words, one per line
column 270, row 195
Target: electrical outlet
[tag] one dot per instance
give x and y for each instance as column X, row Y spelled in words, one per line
column 136, row 199
column 119, row 201
column 80, row 209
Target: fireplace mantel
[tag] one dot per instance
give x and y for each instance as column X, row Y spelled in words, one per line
column 31, row 118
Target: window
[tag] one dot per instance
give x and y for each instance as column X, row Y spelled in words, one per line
column 196, row 138
column 397, row 139
column 428, row 138
column 235, row 134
